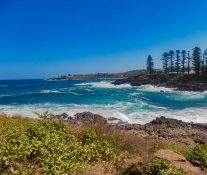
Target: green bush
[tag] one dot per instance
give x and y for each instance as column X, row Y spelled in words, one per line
column 142, row 77
column 162, row 167
column 198, row 156
column 28, row 147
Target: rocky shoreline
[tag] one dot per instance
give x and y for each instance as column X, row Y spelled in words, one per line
column 159, row 128
column 179, row 83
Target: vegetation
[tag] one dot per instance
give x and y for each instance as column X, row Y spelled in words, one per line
column 205, row 62
column 177, row 63
column 46, row 147
column 182, row 62
column 172, row 59
column 165, row 60
column 198, row 156
column 160, row 166
column 36, row 147
column 150, row 64
column 188, row 63
column 197, row 60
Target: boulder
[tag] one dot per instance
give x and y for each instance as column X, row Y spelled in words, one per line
column 64, row 117
column 88, row 117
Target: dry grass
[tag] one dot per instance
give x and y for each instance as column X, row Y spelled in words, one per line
column 135, row 151
column 123, row 140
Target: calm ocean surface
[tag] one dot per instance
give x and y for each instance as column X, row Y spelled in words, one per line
column 134, row 104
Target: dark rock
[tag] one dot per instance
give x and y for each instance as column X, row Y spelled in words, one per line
column 64, row 117
column 168, row 122
column 88, row 117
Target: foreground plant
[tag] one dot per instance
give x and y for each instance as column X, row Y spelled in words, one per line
column 198, row 156
column 45, row 147
column 160, row 166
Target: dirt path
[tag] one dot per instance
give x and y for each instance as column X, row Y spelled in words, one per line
column 179, row 161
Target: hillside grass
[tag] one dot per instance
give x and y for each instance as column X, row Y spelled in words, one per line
column 34, row 147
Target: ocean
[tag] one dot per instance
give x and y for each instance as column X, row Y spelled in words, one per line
column 132, row 104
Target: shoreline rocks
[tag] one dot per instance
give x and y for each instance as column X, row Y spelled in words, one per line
column 182, row 83
column 160, row 128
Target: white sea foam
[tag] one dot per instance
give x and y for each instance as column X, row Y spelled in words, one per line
column 74, row 93
column 185, row 96
column 111, row 110
column 193, row 95
column 5, row 95
column 179, row 95
column 104, row 84
column 89, row 90
column 151, row 88
column 197, row 115
column 134, row 94
column 49, row 91
column 117, row 110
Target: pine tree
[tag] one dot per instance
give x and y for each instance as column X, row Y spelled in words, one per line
column 171, row 57
column 150, row 64
column 189, row 61
column 165, row 60
column 177, row 63
column 183, row 61
column 205, row 62
column 197, row 60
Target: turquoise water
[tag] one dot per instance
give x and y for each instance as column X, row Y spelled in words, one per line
column 133, row 104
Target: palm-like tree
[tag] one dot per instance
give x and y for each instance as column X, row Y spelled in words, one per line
column 183, row 61
column 165, row 61
column 171, row 57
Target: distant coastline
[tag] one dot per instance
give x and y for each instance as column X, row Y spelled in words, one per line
column 88, row 76
column 98, row 75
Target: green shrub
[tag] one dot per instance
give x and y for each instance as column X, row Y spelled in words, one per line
column 162, row 167
column 28, row 147
column 198, row 156
column 142, row 77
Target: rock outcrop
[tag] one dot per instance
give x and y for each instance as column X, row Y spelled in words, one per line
column 171, row 130
column 180, row 83
column 160, row 128
column 88, row 117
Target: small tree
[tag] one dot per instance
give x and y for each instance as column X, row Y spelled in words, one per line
column 203, row 64
column 165, row 61
column 189, row 61
column 205, row 61
column 183, row 61
column 197, row 60
column 150, row 64
column 172, row 58
column 177, row 63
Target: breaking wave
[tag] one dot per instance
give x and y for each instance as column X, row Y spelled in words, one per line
column 151, row 88
column 104, row 84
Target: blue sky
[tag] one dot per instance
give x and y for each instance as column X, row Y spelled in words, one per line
column 44, row 38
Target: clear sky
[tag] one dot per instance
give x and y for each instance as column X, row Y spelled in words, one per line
column 44, row 38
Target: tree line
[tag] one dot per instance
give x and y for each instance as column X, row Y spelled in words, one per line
column 181, row 61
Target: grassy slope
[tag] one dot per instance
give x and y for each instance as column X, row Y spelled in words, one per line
column 44, row 147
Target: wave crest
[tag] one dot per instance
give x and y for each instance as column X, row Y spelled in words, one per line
column 104, row 84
